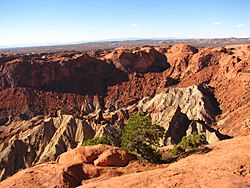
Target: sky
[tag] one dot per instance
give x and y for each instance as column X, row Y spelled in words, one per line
column 42, row 22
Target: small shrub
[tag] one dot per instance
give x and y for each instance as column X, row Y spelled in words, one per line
column 140, row 138
column 98, row 140
column 189, row 142
column 177, row 150
column 193, row 141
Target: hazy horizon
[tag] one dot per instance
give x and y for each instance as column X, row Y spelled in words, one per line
column 51, row 22
column 104, row 40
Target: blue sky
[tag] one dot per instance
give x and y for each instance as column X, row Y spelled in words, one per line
column 35, row 22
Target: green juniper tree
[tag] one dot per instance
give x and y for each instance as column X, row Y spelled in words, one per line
column 140, row 137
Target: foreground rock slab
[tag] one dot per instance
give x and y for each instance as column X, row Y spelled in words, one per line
column 227, row 165
column 50, row 175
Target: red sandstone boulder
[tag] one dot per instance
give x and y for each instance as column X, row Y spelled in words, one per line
column 100, row 155
column 84, row 154
column 114, row 157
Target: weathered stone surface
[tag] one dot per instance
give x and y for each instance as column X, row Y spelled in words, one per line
column 83, row 154
column 63, row 75
column 97, row 94
column 135, row 88
column 179, row 56
column 25, row 103
column 56, row 80
column 177, row 109
column 142, row 59
column 226, row 72
column 100, row 155
column 226, row 165
column 51, row 175
column 31, row 85
column 38, row 140
column 181, row 111
column 114, row 157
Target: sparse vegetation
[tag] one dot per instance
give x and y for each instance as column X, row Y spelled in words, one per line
column 98, row 140
column 140, row 138
column 189, row 142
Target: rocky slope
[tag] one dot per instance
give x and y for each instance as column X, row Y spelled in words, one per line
column 40, row 139
column 213, row 165
column 52, row 102
column 227, row 165
column 181, row 111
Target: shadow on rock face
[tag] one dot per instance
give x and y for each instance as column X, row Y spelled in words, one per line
column 84, row 75
column 201, row 150
column 178, row 127
column 209, row 92
column 91, row 78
